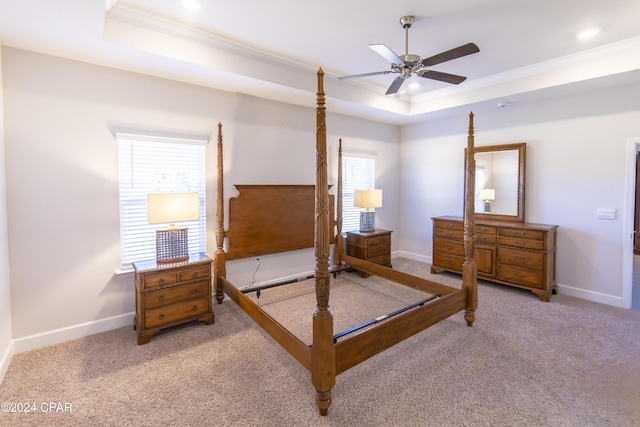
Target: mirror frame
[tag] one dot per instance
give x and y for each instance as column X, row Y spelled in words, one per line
column 522, row 161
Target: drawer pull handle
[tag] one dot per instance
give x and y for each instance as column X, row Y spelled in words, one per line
column 481, row 238
column 522, row 243
column 195, row 275
column 195, row 308
column 521, row 257
column 195, row 290
column 160, row 297
column 161, row 316
column 449, row 233
column 161, row 281
column 519, row 275
column 448, row 246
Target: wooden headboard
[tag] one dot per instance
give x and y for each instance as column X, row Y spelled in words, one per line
column 267, row 219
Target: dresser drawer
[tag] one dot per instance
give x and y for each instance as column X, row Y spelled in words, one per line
column 448, row 232
column 177, row 311
column 447, row 246
column 193, row 273
column 533, row 260
column 486, row 229
column 520, row 276
column 173, row 294
column 448, row 261
column 525, row 234
column 518, row 242
column 449, row 225
column 486, row 238
column 155, row 280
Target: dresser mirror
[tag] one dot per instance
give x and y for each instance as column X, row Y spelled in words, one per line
column 500, row 176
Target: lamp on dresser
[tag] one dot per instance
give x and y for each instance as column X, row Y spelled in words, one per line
column 487, row 195
column 172, row 243
column 367, row 199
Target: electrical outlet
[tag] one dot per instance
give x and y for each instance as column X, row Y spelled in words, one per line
column 257, row 261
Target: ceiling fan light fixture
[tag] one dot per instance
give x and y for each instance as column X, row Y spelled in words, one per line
column 414, row 85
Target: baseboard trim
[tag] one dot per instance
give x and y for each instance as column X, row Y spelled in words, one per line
column 58, row 336
column 590, row 296
column 571, row 291
column 6, row 360
column 412, row 256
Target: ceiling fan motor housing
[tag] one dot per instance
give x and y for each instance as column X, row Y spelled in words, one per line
column 407, row 21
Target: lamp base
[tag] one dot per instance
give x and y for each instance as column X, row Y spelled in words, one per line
column 367, row 221
column 172, row 245
column 487, row 206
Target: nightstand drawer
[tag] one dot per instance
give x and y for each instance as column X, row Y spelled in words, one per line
column 175, row 312
column 373, row 251
column 195, row 273
column 155, row 280
column 170, row 295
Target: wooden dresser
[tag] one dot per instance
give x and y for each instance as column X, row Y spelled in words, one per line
column 518, row 254
column 372, row 246
column 168, row 294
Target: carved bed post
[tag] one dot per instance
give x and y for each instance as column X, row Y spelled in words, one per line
column 469, row 271
column 338, row 249
column 219, row 264
column 323, row 362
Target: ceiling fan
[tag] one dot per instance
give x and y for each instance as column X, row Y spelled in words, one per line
column 408, row 64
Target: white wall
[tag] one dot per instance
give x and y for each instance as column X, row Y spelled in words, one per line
column 6, row 344
column 575, row 164
column 62, row 179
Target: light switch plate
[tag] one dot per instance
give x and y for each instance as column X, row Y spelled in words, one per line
column 602, row 213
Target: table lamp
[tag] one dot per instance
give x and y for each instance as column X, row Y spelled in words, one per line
column 172, row 243
column 368, row 199
column 487, row 194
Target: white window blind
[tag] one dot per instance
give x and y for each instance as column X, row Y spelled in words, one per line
column 157, row 165
column 358, row 172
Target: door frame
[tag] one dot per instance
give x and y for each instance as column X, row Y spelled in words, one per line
column 632, row 147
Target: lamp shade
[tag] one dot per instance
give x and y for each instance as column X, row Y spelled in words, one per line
column 488, row 194
column 367, row 199
column 172, row 207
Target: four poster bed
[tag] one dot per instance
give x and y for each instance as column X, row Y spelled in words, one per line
column 261, row 222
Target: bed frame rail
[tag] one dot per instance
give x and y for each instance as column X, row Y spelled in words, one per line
column 298, row 349
column 367, row 343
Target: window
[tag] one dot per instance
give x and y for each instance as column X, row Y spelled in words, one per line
column 157, row 165
column 358, row 172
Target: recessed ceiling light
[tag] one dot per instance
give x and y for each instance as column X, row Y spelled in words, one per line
column 588, row 33
column 191, row 4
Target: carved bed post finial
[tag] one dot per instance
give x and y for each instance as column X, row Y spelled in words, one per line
column 338, row 249
column 323, row 371
column 219, row 264
column 469, row 270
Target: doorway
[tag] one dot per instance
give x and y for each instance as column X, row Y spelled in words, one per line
column 631, row 260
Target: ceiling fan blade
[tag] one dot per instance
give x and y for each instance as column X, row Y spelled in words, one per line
column 355, row 76
column 443, row 77
column 386, row 53
column 457, row 52
column 395, row 85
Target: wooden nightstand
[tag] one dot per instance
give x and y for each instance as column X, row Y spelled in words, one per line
column 372, row 246
column 168, row 294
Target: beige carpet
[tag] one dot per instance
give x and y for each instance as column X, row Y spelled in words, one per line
column 524, row 363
